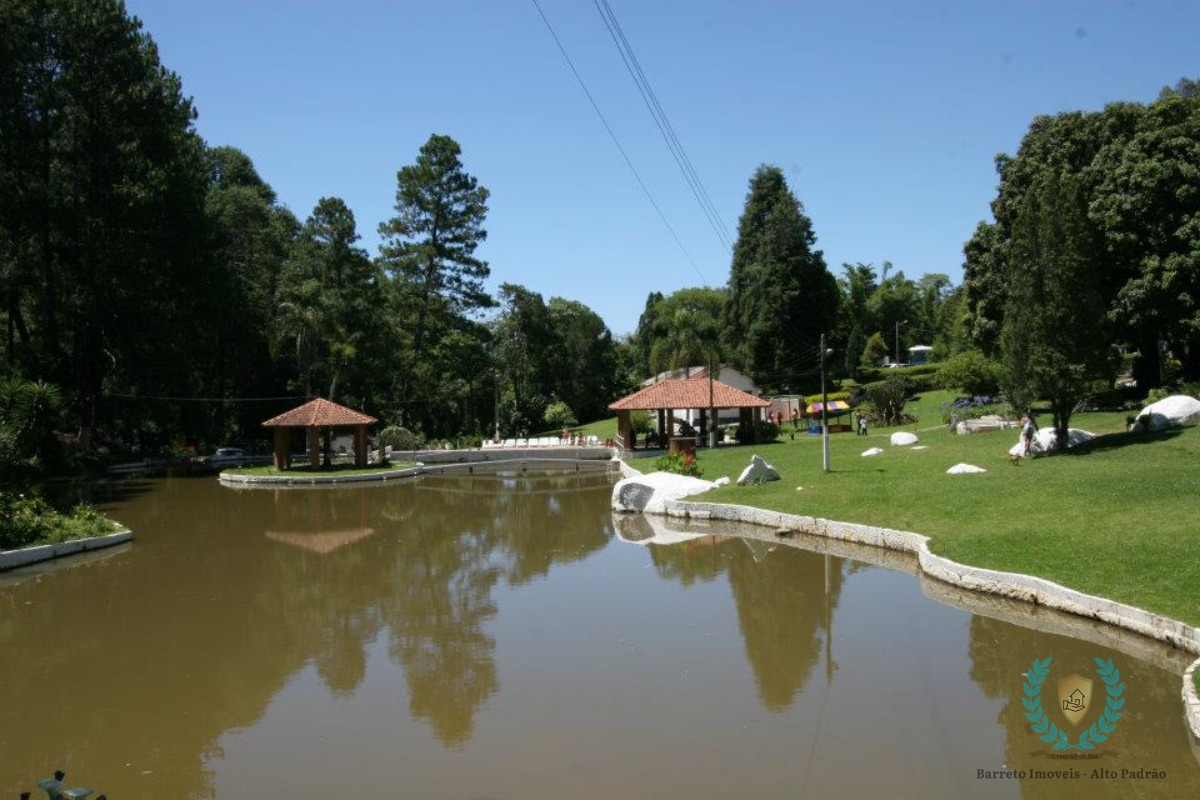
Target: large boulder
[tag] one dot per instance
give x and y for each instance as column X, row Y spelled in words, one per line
column 758, row 471
column 1045, row 439
column 650, row 494
column 904, row 438
column 1170, row 412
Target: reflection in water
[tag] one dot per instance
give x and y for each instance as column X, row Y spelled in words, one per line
column 227, row 594
column 1002, row 653
column 776, row 597
column 359, row 635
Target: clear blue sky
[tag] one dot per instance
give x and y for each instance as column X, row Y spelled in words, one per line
column 885, row 116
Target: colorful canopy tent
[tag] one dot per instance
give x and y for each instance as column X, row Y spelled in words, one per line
column 696, row 392
column 836, row 408
column 317, row 417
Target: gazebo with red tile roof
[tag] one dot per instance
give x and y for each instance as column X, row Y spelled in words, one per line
column 319, row 416
column 695, row 392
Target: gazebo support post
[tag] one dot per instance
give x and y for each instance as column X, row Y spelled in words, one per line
column 314, row 447
column 703, row 425
column 360, row 446
column 625, row 429
column 283, row 458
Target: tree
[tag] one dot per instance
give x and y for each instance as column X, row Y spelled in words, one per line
column 102, row 183
column 1148, row 206
column 527, row 349
column 430, row 244
column 587, row 360
column 687, row 330
column 330, row 292
column 781, row 296
column 857, row 285
column 643, row 338
column 559, row 415
column 437, row 281
column 874, row 351
column 1053, row 339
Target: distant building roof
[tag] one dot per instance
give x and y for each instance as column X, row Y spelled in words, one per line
column 919, row 348
column 689, row 393
column 319, row 413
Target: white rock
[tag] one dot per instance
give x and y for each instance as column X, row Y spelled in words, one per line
column 964, row 469
column 874, row 451
column 722, row 481
column 759, row 470
column 650, row 493
column 921, row 447
column 1044, row 441
column 1170, row 412
column 901, row 438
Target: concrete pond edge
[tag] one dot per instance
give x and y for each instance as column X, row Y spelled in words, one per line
column 1013, row 585
column 438, row 461
column 13, row 559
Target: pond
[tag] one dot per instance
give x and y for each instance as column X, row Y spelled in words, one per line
column 502, row 636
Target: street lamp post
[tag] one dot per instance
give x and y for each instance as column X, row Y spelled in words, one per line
column 898, row 324
column 824, row 410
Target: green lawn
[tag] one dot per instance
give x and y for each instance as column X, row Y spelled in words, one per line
column 307, row 469
column 1118, row 519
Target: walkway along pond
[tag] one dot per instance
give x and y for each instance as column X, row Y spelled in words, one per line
column 504, row 636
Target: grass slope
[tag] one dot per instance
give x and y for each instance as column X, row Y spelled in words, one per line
column 1118, row 519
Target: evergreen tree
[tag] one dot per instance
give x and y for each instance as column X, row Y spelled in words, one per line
column 781, row 296
column 1053, row 339
column 101, row 186
column 429, row 250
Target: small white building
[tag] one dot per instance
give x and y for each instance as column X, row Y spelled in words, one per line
column 919, row 354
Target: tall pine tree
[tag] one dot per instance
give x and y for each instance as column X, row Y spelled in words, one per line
column 781, row 295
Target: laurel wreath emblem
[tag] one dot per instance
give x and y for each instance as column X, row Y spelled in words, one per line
column 1048, row 732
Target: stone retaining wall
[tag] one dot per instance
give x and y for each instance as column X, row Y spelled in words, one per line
column 12, row 559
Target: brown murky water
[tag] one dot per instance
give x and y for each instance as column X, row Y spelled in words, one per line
column 502, row 637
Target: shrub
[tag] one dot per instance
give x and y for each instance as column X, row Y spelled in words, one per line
column 768, row 432
column 399, row 438
column 26, row 521
column 885, row 401
column 680, row 464
column 640, row 422
column 874, row 351
column 972, row 373
column 559, row 415
column 1158, row 394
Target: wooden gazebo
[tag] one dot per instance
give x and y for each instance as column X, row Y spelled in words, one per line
column 318, row 417
column 696, row 392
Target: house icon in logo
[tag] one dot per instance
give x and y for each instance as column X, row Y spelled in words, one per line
column 1074, row 701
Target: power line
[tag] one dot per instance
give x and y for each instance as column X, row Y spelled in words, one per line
column 634, row 67
column 207, row 399
column 617, row 142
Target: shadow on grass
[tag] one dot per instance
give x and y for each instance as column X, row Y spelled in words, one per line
column 1116, row 441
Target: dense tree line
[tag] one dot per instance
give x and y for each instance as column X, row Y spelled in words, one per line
column 160, row 284
column 1095, row 242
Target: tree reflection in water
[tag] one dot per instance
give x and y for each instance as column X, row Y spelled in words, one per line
column 785, row 601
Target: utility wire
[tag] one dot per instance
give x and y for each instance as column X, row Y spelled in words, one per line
column 634, row 67
column 209, row 399
column 617, row 142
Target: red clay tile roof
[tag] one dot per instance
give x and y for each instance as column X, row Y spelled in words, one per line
column 687, row 393
column 319, row 413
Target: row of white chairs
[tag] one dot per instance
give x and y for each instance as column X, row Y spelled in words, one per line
column 544, row 441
